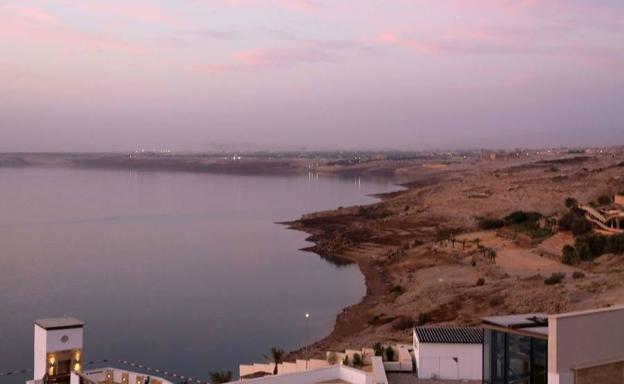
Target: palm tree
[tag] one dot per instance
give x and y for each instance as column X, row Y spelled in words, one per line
column 276, row 357
column 220, row 377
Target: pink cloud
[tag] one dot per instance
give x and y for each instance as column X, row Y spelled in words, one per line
column 302, row 5
column 135, row 11
column 302, row 51
column 274, row 58
column 33, row 14
column 35, row 25
column 392, row 38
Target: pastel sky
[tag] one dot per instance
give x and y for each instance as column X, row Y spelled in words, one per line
column 94, row 75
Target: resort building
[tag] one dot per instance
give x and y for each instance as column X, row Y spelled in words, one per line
column 572, row 348
column 609, row 218
column 58, row 358
column 448, row 353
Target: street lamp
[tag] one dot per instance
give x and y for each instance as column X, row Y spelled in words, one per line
column 307, row 320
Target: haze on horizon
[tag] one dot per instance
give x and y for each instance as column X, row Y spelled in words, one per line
column 97, row 75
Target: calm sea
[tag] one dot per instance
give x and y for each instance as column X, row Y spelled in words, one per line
column 183, row 272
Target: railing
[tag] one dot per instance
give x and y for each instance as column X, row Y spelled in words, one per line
column 84, row 379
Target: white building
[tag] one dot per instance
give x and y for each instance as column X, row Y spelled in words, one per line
column 58, row 348
column 584, row 347
column 448, row 353
column 58, row 357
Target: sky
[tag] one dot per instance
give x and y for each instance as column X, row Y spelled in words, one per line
column 202, row 75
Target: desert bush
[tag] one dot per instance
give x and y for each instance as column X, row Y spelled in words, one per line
column 571, row 202
column 373, row 213
column 486, row 224
column 397, row 254
column 540, row 233
column 565, row 223
column 403, row 323
column 398, row 290
column 378, row 349
column 345, row 361
column 220, row 377
column 357, row 360
column 424, row 318
column 480, row 282
column 495, row 301
column 615, row 244
column 555, row 278
column 578, row 275
column 604, row 200
column 581, row 226
column 570, row 256
column 445, row 233
column 519, row 217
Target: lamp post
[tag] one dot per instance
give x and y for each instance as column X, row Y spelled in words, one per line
column 307, row 320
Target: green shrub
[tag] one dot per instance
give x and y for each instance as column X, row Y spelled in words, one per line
column 480, row 282
column 390, row 354
column 571, row 202
column 487, row 224
column 357, row 360
column 515, row 217
column 581, row 226
column 424, row 318
column 578, row 275
column 570, row 256
column 397, row 289
column 495, row 301
column 555, row 278
column 604, row 200
column 373, row 213
column 540, row 233
column 379, row 349
column 615, row 244
column 403, row 323
column 565, row 223
column 345, row 361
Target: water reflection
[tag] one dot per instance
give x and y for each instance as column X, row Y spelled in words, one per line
column 178, row 270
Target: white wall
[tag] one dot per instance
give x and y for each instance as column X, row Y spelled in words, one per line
column 98, row 375
column 379, row 371
column 332, row 373
column 283, row 368
column 54, row 343
column 49, row 342
column 40, row 353
column 437, row 360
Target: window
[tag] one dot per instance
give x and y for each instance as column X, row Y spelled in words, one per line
column 514, row 359
column 539, row 356
column 519, row 359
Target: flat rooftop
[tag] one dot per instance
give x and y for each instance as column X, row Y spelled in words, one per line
column 59, row 323
column 530, row 322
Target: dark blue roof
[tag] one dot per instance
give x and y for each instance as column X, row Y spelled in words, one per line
column 449, row 335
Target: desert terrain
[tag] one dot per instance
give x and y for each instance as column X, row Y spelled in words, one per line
column 421, row 249
column 426, row 261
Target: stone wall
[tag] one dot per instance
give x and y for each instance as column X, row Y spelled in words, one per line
column 612, row 373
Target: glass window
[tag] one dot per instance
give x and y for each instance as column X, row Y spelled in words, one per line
column 498, row 360
column 487, row 356
column 539, row 361
column 518, row 359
